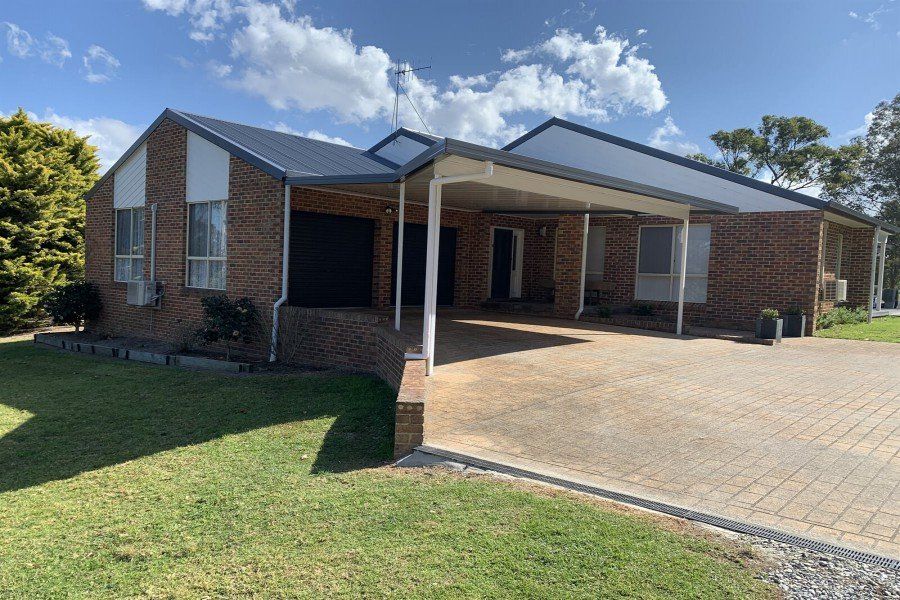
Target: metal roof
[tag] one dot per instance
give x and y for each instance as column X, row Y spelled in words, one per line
column 800, row 198
column 276, row 153
column 516, row 161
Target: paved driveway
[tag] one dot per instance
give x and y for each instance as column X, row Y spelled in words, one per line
column 803, row 437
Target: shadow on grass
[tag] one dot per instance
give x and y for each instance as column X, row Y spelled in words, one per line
column 85, row 413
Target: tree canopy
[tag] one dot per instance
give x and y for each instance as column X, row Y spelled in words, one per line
column 44, row 174
column 789, row 152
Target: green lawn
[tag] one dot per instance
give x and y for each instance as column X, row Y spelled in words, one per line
column 884, row 329
column 122, row 480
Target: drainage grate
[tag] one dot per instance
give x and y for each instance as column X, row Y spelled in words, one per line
column 669, row 509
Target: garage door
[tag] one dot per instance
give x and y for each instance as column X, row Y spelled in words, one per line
column 330, row 262
column 414, row 254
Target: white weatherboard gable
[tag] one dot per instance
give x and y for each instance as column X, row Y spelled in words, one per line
column 564, row 146
column 130, row 183
column 401, row 150
column 207, row 170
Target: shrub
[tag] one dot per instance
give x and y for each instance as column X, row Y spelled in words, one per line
column 644, row 309
column 228, row 321
column 768, row 313
column 842, row 315
column 604, row 312
column 794, row 310
column 73, row 303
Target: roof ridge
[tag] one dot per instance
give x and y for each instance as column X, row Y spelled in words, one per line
column 303, row 137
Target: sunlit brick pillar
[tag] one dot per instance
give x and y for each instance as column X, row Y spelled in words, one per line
column 570, row 232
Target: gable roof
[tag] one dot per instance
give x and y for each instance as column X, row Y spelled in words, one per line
column 696, row 166
column 276, row 153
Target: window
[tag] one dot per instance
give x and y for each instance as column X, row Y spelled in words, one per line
column 596, row 253
column 206, row 245
column 659, row 263
column 129, row 261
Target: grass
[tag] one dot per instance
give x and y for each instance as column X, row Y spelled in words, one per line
column 122, row 480
column 882, row 329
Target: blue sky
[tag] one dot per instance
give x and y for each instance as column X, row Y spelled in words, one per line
column 665, row 73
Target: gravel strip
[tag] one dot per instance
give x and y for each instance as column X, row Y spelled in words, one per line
column 807, row 574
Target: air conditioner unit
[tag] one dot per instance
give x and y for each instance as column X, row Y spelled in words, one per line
column 840, row 290
column 144, row 293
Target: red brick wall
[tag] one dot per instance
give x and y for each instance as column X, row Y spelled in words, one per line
column 856, row 265
column 473, row 235
column 254, row 216
column 569, row 238
column 757, row 260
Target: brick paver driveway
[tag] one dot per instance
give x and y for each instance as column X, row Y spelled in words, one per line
column 802, row 437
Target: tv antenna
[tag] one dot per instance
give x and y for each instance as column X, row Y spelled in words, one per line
column 403, row 71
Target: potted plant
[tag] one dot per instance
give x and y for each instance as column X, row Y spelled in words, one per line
column 768, row 325
column 794, row 322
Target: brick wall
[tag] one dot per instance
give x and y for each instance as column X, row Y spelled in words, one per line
column 856, row 262
column 473, row 236
column 331, row 338
column 254, row 216
column 757, row 260
column 569, row 238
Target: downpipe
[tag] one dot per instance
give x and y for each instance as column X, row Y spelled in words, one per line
column 286, row 245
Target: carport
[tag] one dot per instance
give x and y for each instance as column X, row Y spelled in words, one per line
column 453, row 174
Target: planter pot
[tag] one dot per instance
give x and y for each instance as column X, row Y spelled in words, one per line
column 794, row 325
column 769, row 329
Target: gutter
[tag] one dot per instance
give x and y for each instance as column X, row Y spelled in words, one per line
column 286, row 245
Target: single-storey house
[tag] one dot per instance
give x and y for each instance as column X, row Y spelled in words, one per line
column 201, row 206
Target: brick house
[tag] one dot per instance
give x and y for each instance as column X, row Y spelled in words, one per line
column 202, row 206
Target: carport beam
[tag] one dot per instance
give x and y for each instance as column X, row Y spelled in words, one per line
column 400, row 222
column 682, row 275
column 872, row 275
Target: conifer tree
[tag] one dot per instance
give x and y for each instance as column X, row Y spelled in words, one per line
column 44, row 173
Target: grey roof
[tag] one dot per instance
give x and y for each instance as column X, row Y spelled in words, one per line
column 276, row 153
column 293, row 152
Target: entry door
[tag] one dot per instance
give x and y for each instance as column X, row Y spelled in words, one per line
column 506, row 262
column 414, row 251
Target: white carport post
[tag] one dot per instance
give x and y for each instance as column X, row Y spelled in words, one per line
column 400, row 216
column 431, row 257
column 584, row 251
column 679, row 327
column 872, row 275
column 879, row 299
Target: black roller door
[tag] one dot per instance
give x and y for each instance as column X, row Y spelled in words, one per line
column 414, row 253
column 330, row 261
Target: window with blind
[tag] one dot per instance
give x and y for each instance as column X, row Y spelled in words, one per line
column 659, row 263
column 206, row 260
column 129, row 257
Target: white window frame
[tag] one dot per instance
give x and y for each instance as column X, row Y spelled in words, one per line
column 673, row 274
column 208, row 259
column 130, row 257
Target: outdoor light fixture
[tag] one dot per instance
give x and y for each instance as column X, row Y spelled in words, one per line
column 389, row 210
column 543, row 231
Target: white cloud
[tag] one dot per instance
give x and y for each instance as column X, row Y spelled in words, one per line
column 206, row 16
column 640, row 32
column 18, row 41
column 219, row 70
column 856, row 131
column 294, row 65
column 52, row 49
column 55, row 50
column 100, row 64
column 314, row 134
column 661, row 138
column 871, row 18
column 111, row 136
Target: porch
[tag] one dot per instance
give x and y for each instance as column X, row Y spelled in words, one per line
column 545, row 262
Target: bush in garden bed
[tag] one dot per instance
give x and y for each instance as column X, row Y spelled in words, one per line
column 842, row 315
